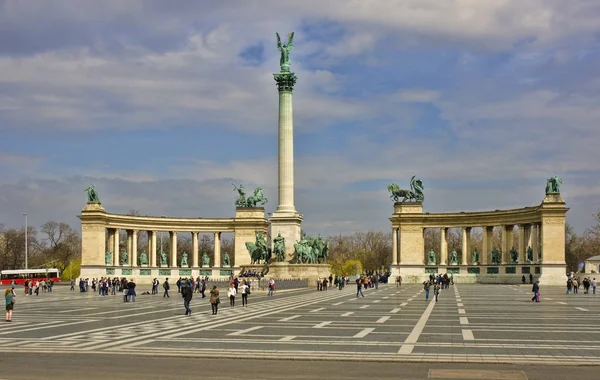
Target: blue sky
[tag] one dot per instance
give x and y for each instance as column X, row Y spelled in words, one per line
column 162, row 105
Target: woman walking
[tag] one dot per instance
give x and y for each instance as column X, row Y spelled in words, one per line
column 9, row 297
column 245, row 290
column 214, row 299
column 231, row 292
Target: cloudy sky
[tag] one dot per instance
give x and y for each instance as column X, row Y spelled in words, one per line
column 161, row 105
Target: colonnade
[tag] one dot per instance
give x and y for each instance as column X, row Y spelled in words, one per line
column 529, row 236
column 131, row 248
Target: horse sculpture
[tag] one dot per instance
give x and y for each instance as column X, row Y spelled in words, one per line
column 402, row 195
column 258, row 251
column 251, row 201
column 256, row 198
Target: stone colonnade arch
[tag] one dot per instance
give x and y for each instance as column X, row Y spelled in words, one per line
column 540, row 227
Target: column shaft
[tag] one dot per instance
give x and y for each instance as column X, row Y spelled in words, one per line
column 129, row 246
column 111, row 244
column 195, row 249
column 286, row 153
column 395, row 246
column 134, row 247
column 116, row 246
column 152, row 247
column 443, row 246
column 466, row 244
column 173, row 236
column 535, row 241
column 506, row 244
column 522, row 244
column 217, row 253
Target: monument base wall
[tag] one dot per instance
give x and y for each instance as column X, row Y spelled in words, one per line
column 311, row 272
column 483, row 274
column 145, row 275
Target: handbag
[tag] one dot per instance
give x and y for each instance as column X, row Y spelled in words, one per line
column 248, row 290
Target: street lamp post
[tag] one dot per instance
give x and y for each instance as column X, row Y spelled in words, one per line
column 26, row 250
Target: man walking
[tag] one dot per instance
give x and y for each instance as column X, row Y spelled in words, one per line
column 594, row 285
column 186, row 293
column 359, row 288
column 536, row 292
column 166, row 286
column 426, row 288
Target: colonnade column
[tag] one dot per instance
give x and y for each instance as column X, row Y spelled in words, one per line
column 444, row 246
column 129, row 247
column 173, row 237
column 217, row 253
column 466, row 244
column 116, row 247
column 395, row 246
column 134, row 247
column 535, row 240
column 522, row 244
column 152, row 247
column 507, row 239
column 487, row 243
column 111, row 243
column 195, row 249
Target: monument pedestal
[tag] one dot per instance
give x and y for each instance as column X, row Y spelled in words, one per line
column 289, row 226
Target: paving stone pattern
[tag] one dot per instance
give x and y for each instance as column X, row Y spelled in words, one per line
column 470, row 323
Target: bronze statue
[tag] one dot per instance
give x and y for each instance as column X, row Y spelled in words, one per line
column 284, row 61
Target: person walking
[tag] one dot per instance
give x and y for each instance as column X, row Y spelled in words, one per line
column 594, row 285
column 9, row 299
column 214, row 299
column 359, row 288
column 166, row 287
column 186, row 293
column 271, row 287
column 244, row 290
column 231, row 293
column 426, row 286
column 72, row 285
column 536, row 292
column 436, row 291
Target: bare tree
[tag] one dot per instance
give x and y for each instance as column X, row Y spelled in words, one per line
column 64, row 244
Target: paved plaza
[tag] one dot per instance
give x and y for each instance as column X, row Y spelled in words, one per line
column 470, row 324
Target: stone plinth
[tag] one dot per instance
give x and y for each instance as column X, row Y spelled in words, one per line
column 288, row 225
column 248, row 221
column 93, row 234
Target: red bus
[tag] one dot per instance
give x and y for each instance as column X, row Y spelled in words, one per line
column 20, row 275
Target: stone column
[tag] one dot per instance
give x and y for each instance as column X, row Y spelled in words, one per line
column 217, row 252
column 507, row 239
column 535, row 241
column 111, row 243
column 395, row 259
column 152, row 248
column 195, row 250
column 466, row 245
column 116, row 247
column 443, row 246
column 285, row 84
column 134, row 247
column 173, row 237
column 129, row 246
column 522, row 243
column 488, row 238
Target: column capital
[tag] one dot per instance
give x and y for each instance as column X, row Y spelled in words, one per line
column 285, row 81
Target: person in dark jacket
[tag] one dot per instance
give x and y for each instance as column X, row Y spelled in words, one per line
column 186, row 293
column 536, row 292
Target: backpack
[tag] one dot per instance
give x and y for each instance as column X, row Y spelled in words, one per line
column 165, row 285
